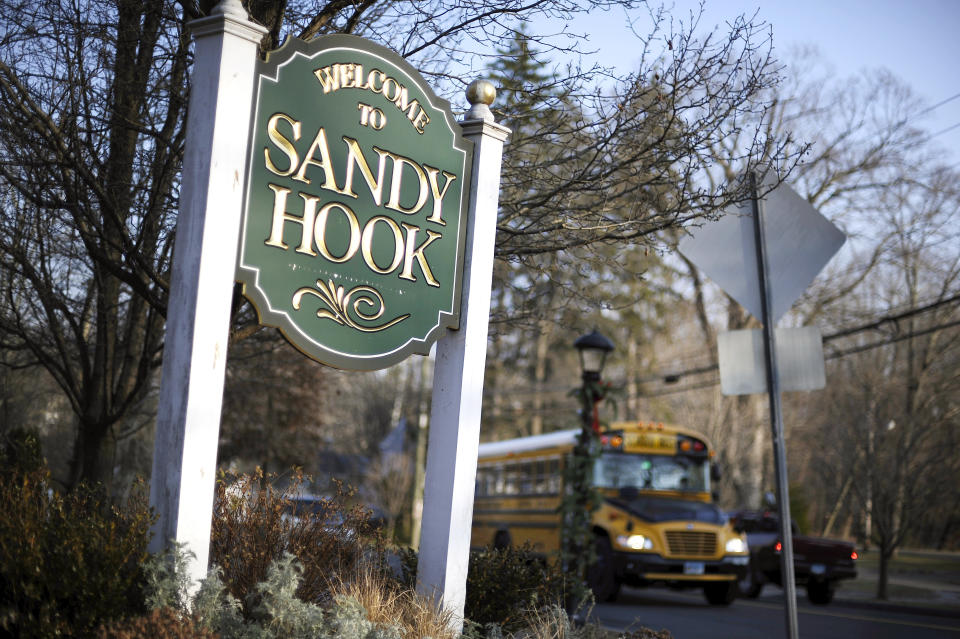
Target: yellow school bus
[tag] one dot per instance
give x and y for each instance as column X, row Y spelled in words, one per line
column 658, row 524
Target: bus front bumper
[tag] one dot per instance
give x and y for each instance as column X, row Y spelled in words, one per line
column 653, row 567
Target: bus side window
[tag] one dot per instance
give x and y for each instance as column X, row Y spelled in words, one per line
column 499, row 480
column 554, row 479
column 510, row 483
column 484, row 481
column 527, row 477
column 540, row 476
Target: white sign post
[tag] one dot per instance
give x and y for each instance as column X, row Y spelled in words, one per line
column 458, row 379
column 201, row 287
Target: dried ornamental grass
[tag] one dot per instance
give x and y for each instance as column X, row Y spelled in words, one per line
column 389, row 603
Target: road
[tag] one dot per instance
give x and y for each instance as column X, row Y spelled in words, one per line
column 688, row 616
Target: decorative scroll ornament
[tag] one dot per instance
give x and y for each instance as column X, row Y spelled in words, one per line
column 340, row 305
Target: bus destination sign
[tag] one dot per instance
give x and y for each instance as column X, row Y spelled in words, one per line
column 357, row 182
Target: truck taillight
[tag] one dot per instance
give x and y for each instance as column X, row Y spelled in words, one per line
column 854, row 555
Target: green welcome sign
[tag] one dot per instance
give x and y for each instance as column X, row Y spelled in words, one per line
column 357, row 182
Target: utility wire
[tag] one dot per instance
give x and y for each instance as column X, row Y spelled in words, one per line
column 946, row 130
column 892, row 319
column 887, row 319
column 931, row 108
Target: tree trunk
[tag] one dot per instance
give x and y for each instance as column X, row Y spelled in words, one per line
column 540, row 377
column 886, row 553
column 420, row 460
column 88, row 463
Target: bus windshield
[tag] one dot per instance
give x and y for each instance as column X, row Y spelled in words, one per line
column 652, row 472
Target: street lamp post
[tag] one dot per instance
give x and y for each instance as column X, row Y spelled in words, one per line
column 581, row 500
column 593, row 349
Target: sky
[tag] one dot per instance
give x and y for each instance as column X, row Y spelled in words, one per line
column 918, row 40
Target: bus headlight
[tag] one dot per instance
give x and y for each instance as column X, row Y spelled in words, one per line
column 736, row 545
column 637, row 542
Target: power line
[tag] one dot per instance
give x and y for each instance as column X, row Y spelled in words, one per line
column 889, row 319
column 892, row 340
column 946, row 130
column 892, row 319
column 876, row 324
column 931, row 108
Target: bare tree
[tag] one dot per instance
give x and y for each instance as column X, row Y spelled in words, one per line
column 861, row 140
column 93, row 98
column 92, row 102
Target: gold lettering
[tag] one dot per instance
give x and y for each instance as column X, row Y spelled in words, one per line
column 411, row 254
column 396, row 182
column 352, row 76
column 347, row 77
column 421, row 121
column 282, row 143
column 359, row 81
column 376, row 73
column 280, row 216
column 366, row 244
column 391, row 82
column 438, row 195
column 330, row 80
column 355, row 158
column 404, row 104
column 319, row 143
column 320, row 232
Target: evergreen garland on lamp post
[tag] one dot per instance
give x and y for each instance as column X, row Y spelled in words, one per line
column 580, row 499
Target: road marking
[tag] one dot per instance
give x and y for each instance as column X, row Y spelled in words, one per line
column 824, row 613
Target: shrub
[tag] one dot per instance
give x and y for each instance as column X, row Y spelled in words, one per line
column 254, row 525
column 68, row 562
column 502, row 584
column 20, row 453
column 162, row 623
column 368, row 606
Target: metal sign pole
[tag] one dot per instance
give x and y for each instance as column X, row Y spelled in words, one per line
column 776, row 419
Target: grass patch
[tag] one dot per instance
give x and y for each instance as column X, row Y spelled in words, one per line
column 894, row 591
column 941, row 566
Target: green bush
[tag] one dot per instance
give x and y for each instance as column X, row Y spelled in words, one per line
column 68, row 562
column 277, row 614
column 20, row 453
column 503, row 585
column 253, row 528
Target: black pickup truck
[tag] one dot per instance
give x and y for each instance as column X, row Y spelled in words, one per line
column 817, row 563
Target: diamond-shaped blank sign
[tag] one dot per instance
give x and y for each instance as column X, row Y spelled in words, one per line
column 799, row 242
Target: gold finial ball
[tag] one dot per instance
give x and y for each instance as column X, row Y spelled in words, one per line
column 481, row 92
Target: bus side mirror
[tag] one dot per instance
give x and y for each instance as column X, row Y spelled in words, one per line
column 715, row 473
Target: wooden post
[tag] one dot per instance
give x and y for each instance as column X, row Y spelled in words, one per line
column 458, row 378
column 201, row 288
